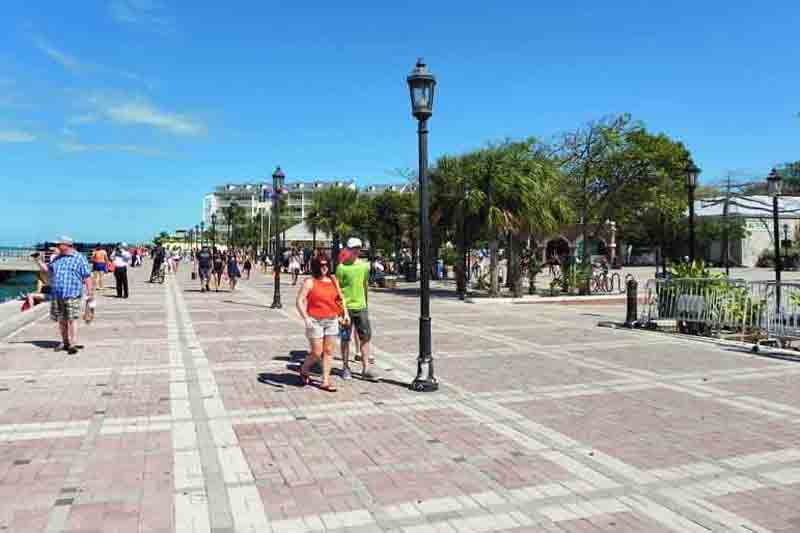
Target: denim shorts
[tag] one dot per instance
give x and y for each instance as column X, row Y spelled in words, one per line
column 323, row 327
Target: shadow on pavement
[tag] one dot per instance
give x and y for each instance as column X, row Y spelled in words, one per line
column 295, row 356
column 394, row 382
column 763, row 353
column 245, row 304
column 413, row 292
column 39, row 344
column 280, row 380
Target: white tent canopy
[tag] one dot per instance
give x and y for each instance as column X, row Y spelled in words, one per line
column 301, row 233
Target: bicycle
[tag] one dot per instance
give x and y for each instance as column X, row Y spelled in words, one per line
column 602, row 282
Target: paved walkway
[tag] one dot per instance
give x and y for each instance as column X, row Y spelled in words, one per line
column 181, row 415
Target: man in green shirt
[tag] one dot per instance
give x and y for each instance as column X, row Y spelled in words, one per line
column 354, row 279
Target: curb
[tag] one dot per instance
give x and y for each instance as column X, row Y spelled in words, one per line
column 15, row 322
column 764, row 350
column 550, row 300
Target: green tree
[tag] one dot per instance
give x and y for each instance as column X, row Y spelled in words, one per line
column 334, row 210
column 617, row 170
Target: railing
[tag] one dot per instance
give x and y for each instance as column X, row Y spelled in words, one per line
column 755, row 310
column 706, row 305
column 7, row 254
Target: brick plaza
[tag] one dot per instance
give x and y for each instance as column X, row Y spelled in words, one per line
column 183, row 414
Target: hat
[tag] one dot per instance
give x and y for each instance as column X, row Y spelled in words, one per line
column 65, row 240
column 354, row 242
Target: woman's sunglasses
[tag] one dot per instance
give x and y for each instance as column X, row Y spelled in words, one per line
column 323, row 264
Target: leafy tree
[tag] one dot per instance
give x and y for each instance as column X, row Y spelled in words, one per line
column 617, row 170
column 335, row 211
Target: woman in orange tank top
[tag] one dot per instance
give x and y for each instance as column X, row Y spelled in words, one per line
column 319, row 302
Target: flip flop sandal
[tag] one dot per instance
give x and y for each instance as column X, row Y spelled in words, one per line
column 328, row 388
column 305, row 378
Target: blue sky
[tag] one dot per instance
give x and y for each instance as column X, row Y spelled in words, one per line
column 116, row 116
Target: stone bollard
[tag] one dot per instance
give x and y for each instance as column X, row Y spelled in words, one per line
column 631, row 289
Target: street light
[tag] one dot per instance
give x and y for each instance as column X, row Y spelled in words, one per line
column 278, row 178
column 691, row 183
column 774, row 185
column 202, row 233
column 214, row 231
column 197, row 236
column 422, row 84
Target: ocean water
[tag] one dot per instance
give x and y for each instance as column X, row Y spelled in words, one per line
column 20, row 283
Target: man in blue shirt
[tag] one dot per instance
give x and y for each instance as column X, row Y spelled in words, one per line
column 69, row 275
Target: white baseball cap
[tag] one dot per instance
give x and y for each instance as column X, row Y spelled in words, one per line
column 65, row 240
column 354, row 242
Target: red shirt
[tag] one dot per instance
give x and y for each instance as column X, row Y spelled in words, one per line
column 321, row 299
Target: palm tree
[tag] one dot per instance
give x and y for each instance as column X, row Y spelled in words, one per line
column 333, row 211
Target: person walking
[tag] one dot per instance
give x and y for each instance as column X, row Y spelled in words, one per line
column 294, row 266
column 233, row 270
column 158, row 255
column 121, row 259
column 70, row 276
column 319, row 303
column 248, row 265
column 204, row 268
column 176, row 259
column 99, row 266
column 353, row 277
column 218, row 265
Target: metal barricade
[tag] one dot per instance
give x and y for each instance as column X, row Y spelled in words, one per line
column 705, row 306
column 781, row 314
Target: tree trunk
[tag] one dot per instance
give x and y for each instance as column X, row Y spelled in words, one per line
column 510, row 251
column 514, row 266
column 461, row 265
column 334, row 252
column 494, row 285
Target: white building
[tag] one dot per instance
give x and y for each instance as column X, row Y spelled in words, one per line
column 255, row 198
column 756, row 212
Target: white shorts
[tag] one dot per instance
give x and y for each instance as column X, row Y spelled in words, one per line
column 323, row 327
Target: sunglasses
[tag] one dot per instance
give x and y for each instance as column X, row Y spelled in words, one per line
column 323, row 264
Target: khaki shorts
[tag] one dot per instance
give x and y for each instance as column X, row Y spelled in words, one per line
column 65, row 309
column 323, row 327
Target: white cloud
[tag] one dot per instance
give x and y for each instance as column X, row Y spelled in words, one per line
column 147, row 12
column 75, row 65
column 74, row 146
column 66, row 60
column 16, row 136
column 141, row 112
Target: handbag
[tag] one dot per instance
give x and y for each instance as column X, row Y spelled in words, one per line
column 339, row 303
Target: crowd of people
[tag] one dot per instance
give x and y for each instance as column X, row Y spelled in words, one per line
column 334, row 308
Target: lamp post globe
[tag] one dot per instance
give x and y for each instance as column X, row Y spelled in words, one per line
column 278, row 178
column 692, row 171
column 422, row 85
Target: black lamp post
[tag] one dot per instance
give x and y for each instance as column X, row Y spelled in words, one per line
column 774, row 185
column 278, row 178
column 214, row 231
column 422, row 85
column 691, row 184
column 197, row 236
